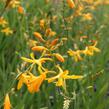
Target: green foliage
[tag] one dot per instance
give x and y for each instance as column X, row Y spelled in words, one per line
column 78, row 95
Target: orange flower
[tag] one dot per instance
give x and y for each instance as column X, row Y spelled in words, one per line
column 54, row 42
column 23, row 79
column 34, row 83
column 71, row 3
column 38, row 48
column 52, row 33
column 42, row 23
column 21, row 10
column 49, row 32
column 7, row 104
column 59, row 57
column 39, row 36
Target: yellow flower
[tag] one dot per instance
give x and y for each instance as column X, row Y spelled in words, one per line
column 36, row 61
column 78, row 11
column 54, row 18
column 3, row 22
column 14, row 3
column 91, row 49
column 75, row 54
column 62, row 76
column 7, row 31
column 32, row 43
column 7, row 104
column 87, row 16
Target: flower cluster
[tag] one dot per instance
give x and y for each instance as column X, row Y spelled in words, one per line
column 51, row 40
column 5, row 28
